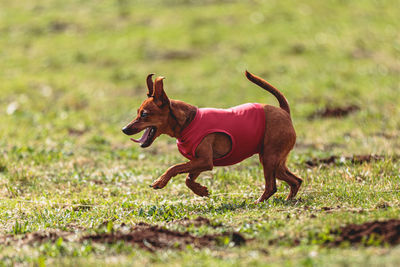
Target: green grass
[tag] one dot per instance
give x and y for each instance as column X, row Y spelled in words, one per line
column 73, row 73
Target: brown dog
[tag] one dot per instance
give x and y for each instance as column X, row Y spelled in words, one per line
column 160, row 115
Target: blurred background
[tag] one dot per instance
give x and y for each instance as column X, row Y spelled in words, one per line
column 73, row 72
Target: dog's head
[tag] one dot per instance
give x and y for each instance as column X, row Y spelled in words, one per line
column 152, row 115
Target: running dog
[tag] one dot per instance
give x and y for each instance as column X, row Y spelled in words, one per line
column 211, row 137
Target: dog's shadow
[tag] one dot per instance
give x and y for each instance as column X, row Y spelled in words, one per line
column 274, row 202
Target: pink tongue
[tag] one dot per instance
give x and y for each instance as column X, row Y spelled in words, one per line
column 144, row 136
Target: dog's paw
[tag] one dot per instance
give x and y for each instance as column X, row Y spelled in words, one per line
column 159, row 183
column 199, row 189
column 202, row 191
column 260, row 200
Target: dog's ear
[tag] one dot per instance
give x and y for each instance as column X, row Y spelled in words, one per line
column 150, row 85
column 160, row 97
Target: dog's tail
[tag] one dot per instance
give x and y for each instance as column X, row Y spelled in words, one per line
column 283, row 103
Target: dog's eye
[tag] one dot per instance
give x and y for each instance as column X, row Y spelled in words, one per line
column 144, row 114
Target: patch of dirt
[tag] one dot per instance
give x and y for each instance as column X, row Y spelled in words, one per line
column 385, row 232
column 297, row 49
column 149, row 237
column 36, row 237
column 334, row 112
column 177, row 54
column 58, row 26
column 386, row 135
column 76, row 132
column 287, row 241
column 171, row 54
column 360, row 53
column 355, row 159
column 155, row 238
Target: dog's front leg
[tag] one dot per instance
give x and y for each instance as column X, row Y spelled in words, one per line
column 196, row 165
column 202, row 162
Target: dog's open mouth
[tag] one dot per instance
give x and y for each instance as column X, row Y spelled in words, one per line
column 147, row 137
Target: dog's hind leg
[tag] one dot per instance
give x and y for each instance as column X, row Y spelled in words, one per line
column 269, row 166
column 197, row 188
column 292, row 180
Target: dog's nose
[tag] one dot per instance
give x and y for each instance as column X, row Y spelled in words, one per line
column 125, row 130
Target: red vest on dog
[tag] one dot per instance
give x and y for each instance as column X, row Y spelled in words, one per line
column 244, row 124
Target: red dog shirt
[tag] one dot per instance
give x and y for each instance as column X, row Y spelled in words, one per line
column 244, row 124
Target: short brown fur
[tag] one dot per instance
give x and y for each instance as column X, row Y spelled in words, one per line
column 170, row 117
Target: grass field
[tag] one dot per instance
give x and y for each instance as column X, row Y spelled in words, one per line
column 72, row 73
